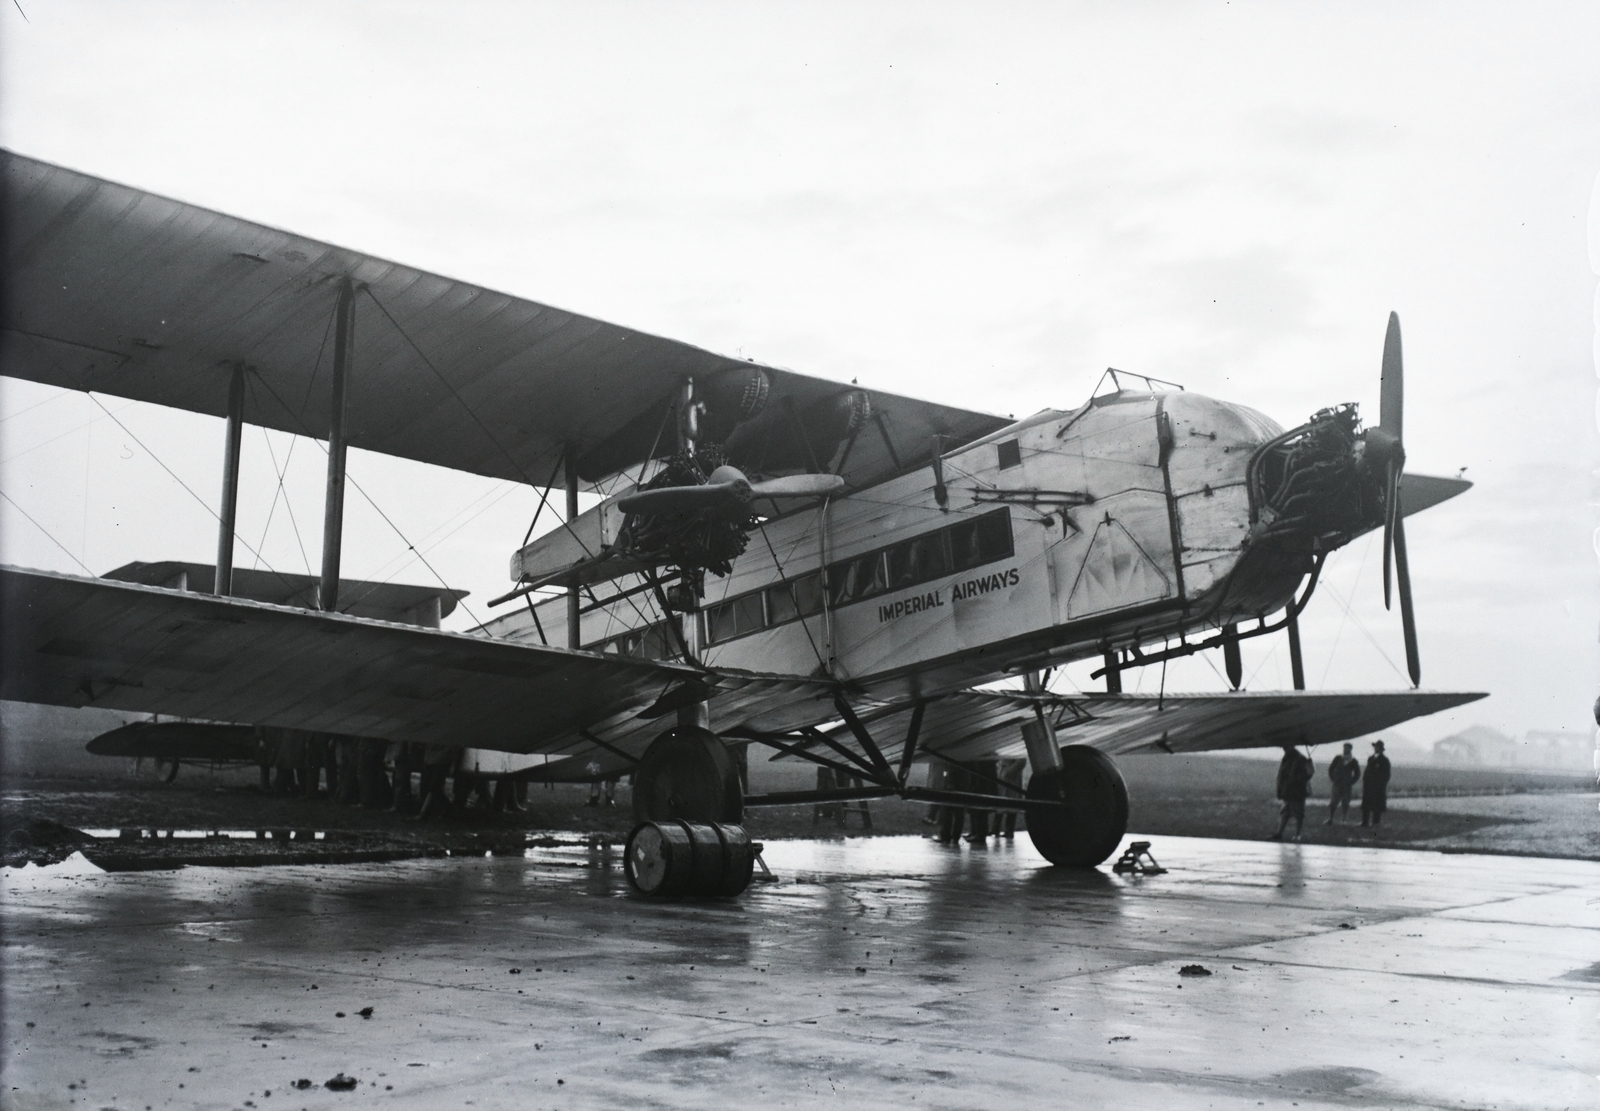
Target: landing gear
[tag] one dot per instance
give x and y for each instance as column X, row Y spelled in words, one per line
column 1090, row 826
column 687, row 773
column 688, row 804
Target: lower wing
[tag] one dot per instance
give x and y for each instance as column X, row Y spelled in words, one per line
column 71, row 641
column 977, row 724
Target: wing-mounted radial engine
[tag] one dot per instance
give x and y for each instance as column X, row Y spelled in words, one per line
column 697, row 513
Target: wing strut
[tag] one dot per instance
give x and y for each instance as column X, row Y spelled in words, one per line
column 570, row 478
column 333, row 505
column 223, row 587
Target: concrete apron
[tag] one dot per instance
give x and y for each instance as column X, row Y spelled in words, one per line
column 880, row 972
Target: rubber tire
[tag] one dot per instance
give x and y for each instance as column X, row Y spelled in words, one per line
column 1096, row 815
column 171, row 772
column 687, row 774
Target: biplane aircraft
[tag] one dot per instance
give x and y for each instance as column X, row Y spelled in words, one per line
column 836, row 572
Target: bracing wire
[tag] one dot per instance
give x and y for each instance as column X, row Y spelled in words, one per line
column 47, row 533
column 185, row 485
column 375, row 507
column 467, row 408
column 282, row 472
column 783, row 578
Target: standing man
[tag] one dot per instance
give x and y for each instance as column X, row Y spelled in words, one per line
column 1345, row 771
column 1294, row 783
column 1375, row 786
column 1011, row 772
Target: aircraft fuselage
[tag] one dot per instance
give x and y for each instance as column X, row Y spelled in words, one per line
column 1061, row 537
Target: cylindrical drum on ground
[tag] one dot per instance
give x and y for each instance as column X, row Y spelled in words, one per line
column 675, row 857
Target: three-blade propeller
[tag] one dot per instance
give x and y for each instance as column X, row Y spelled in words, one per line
column 727, row 492
column 1385, row 446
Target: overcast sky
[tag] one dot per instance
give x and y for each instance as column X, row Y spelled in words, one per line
column 980, row 204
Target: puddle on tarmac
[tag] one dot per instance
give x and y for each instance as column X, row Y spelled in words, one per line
column 222, row 834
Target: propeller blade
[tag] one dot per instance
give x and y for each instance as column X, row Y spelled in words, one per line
column 676, row 500
column 1391, row 521
column 1392, row 390
column 799, row 486
column 1408, row 618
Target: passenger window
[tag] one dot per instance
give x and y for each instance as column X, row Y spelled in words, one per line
column 930, row 557
column 1010, row 454
column 808, row 594
column 656, row 644
column 747, row 615
column 994, row 537
column 719, row 622
column 860, row 578
column 900, row 572
column 918, row 561
column 780, row 603
column 984, row 540
column 870, row 580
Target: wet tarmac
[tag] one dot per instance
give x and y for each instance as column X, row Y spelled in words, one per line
column 881, row 972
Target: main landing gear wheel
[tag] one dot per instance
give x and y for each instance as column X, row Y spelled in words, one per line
column 1091, row 824
column 687, row 774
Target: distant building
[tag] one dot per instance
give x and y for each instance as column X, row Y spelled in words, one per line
column 1539, row 750
column 1559, row 751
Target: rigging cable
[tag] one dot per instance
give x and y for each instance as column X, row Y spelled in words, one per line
column 375, row 507
column 47, row 533
column 1350, row 615
column 784, row 579
column 373, row 297
column 469, row 410
column 282, row 473
column 186, row 486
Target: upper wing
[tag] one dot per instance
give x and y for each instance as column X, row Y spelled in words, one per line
column 118, row 290
column 72, row 641
column 976, row 724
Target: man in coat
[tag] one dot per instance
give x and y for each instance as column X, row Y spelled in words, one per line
column 1294, row 783
column 1375, row 786
column 1345, row 772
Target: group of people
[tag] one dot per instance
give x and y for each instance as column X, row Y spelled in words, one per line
column 1003, row 777
column 1295, row 772
column 376, row 774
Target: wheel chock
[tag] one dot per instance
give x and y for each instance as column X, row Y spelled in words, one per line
column 766, row 873
column 1136, row 859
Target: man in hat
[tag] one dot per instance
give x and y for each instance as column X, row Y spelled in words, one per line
column 1375, row 786
column 1345, row 772
column 1294, row 783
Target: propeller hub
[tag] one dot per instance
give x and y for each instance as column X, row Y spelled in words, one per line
column 1384, row 449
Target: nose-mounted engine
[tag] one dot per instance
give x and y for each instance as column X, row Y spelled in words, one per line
column 1318, row 486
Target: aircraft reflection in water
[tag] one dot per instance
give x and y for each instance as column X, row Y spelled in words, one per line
column 827, row 570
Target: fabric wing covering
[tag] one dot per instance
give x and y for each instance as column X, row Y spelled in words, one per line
column 970, row 725
column 119, row 291
column 71, row 641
